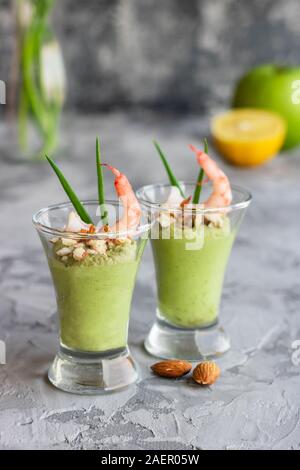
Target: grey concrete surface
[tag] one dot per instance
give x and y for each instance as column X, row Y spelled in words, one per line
column 256, row 402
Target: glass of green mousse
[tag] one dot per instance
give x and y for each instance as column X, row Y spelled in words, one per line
column 94, row 276
column 191, row 247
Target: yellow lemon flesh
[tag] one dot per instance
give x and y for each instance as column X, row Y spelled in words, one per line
column 248, row 137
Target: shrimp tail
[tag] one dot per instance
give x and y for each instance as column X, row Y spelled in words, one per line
column 132, row 209
column 114, row 170
column 221, row 194
column 200, row 155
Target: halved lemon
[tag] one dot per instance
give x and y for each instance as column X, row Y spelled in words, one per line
column 248, row 137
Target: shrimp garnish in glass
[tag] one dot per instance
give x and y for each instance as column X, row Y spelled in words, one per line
column 132, row 209
column 221, row 191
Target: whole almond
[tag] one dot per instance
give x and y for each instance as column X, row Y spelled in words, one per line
column 171, row 368
column 206, row 373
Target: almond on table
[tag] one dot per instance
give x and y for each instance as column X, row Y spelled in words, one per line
column 171, row 368
column 206, row 373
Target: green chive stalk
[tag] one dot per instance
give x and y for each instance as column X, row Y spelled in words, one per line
column 101, row 193
column 78, row 206
column 172, row 178
column 198, row 188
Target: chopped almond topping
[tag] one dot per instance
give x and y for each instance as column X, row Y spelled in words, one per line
column 68, row 241
column 79, row 254
column 64, row 251
column 98, row 245
column 118, row 241
column 214, row 220
column 91, row 252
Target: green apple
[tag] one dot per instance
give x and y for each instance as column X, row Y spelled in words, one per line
column 276, row 88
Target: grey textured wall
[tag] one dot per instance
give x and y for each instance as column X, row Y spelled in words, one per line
column 175, row 54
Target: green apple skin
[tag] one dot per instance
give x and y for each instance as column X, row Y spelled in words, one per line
column 273, row 87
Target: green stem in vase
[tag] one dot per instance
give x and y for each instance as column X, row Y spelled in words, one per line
column 40, row 70
column 172, row 178
column 198, row 188
column 71, row 194
column 101, row 193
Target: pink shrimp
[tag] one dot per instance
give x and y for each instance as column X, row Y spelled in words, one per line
column 132, row 209
column 221, row 195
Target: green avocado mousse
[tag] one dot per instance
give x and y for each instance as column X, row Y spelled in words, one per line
column 93, row 255
column 94, row 287
column 190, row 281
column 191, row 238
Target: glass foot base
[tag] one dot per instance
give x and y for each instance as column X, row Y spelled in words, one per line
column 92, row 373
column 168, row 342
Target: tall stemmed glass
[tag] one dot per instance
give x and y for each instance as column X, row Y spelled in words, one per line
column 93, row 296
column 190, row 265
